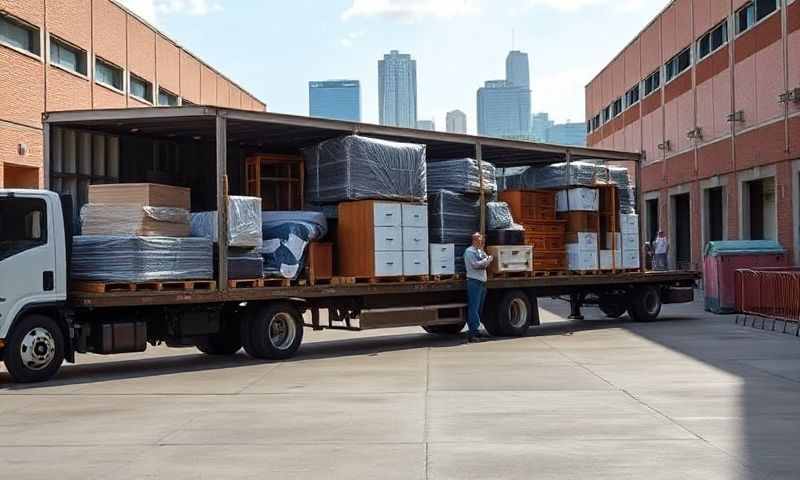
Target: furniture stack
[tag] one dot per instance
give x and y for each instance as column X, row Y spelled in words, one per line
column 139, row 232
column 536, row 211
column 579, row 207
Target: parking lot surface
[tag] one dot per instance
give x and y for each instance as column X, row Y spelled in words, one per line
column 690, row 396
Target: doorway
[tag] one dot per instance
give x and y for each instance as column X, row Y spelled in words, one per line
column 681, row 231
column 759, row 210
column 715, row 214
column 651, row 229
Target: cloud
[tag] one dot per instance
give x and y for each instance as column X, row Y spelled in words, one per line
column 575, row 5
column 350, row 38
column 153, row 10
column 410, row 10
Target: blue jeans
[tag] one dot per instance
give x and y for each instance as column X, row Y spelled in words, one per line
column 476, row 295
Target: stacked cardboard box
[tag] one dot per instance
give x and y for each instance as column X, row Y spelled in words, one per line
column 630, row 241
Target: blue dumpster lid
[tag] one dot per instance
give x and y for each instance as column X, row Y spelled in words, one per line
column 743, row 247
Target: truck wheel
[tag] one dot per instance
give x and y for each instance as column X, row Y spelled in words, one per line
column 226, row 342
column 273, row 331
column 510, row 316
column 612, row 307
column 645, row 304
column 35, row 350
column 449, row 329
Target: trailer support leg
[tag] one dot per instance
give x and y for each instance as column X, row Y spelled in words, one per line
column 575, row 304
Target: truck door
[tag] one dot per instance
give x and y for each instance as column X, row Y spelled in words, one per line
column 27, row 257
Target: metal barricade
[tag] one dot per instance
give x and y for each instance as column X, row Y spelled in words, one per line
column 769, row 293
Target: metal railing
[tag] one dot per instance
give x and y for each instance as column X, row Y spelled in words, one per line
column 769, row 293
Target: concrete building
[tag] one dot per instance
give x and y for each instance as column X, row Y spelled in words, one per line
column 456, row 121
column 86, row 54
column 397, row 90
column 540, row 124
column 708, row 91
column 426, row 125
column 504, row 110
column 518, row 69
column 570, row 133
column 337, row 99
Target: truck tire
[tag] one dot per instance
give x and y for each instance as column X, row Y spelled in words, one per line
column 510, row 315
column 612, row 306
column 449, row 329
column 273, row 331
column 645, row 304
column 226, row 342
column 35, row 349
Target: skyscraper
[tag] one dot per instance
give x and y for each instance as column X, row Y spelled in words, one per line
column 540, row 124
column 337, row 99
column 426, row 125
column 504, row 110
column 518, row 69
column 570, row 133
column 397, row 90
column 456, row 121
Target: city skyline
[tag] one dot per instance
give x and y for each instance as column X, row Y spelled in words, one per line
column 456, row 121
column 343, row 41
column 397, row 90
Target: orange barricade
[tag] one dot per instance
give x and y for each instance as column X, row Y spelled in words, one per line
column 769, row 292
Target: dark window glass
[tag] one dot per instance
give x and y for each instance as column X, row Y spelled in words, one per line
column 19, row 35
column 141, row 89
column 765, row 7
column 23, row 225
column 167, row 99
column 719, row 36
column 678, row 64
column 67, row 56
column 745, row 18
column 108, row 74
column 704, row 46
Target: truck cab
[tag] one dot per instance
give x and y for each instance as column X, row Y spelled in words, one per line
column 33, row 283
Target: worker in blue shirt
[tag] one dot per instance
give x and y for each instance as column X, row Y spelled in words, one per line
column 476, row 262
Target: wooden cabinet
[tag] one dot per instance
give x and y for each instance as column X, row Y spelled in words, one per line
column 510, row 259
column 277, row 179
column 382, row 239
column 320, row 261
column 536, row 211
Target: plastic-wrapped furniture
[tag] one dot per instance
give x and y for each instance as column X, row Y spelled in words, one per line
column 361, row 168
column 498, row 216
column 133, row 219
column 244, row 222
column 461, row 176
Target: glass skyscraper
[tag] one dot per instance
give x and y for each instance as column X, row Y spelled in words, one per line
column 397, row 90
column 567, row 134
column 518, row 69
column 540, row 124
column 504, row 110
column 336, row 99
column 457, row 121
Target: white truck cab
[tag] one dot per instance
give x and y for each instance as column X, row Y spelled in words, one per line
column 33, row 282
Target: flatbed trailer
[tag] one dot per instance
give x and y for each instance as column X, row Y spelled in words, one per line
column 58, row 321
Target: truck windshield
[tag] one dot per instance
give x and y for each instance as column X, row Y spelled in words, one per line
column 23, row 225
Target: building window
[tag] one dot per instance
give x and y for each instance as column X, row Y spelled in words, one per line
column 141, row 89
column 678, row 63
column 107, row 74
column 652, row 83
column 167, row 98
column 607, row 114
column 712, row 41
column 596, row 122
column 632, row 96
column 19, row 35
column 616, row 107
column 754, row 12
column 67, row 57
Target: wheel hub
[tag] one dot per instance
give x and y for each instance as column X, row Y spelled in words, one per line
column 517, row 313
column 37, row 349
column 282, row 331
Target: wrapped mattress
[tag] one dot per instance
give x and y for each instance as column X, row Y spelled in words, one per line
column 557, row 175
column 136, row 220
column 453, row 218
column 244, row 222
column 286, row 237
column 360, row 168
column 619, row 176
column 119, row 258
column 460, row 176
column 627, row 200
column 498, row 216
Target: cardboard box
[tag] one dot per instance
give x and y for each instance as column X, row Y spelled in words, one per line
column 578, row 259
column 577, row 200
column 629, row 223
column 609, row 261
column 630, row 259
column 584, row 240
column 148, row 194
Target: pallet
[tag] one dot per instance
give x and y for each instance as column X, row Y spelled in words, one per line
column 373, row 280
column 318, row 281
column 173, row 285
column 447, row 277
column 525, row 274
column 585, row 272
column 549, row 273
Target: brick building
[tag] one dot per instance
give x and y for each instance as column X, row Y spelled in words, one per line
column 709, row 92
column 83, row 54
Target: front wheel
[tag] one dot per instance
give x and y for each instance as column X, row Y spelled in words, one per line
column 35, row 350
column 510, row 316
column 273, row 331
column 645, row 304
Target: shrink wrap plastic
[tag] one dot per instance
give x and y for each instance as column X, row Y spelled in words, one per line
column 286, row 238
column 360, row 168
column 131, row 219
column 460, row 176
column 117, row 258
column 557, row 175
column 453, row 218
column 498, row 216
column 244, row 222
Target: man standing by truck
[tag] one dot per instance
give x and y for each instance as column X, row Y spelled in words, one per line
column 661, row 250
column 476, row 262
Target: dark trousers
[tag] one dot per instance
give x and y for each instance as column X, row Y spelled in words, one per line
column 476, row 296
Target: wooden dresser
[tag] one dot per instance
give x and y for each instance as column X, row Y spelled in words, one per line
column 536, row 211
column 382, row 239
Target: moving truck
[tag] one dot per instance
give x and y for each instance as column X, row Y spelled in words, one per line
column 43, row 321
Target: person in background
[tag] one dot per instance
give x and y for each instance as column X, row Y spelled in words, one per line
column 476, row 262
column 661, row 250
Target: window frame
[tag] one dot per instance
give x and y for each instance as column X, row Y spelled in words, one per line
column 81, row 56
column 34, row 32
column 754, row 5
column 709, row 36
column 41, row 205
column 148, row 88
column 638, row 89
column 606, row 114
column 676, row 61
column 657, row 75
column 111, row 66
column 616, row 107
column 164, row 91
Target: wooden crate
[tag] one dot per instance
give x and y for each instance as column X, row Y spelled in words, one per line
column 545, row 242
column 580, row 221
column 528, row 206
column 150, row 194
column 549, row 261
column 320, row 262
column 511, row 258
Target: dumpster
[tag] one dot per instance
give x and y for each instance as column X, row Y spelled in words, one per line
column 722, row 259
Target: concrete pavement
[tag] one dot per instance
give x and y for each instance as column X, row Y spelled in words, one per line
column 691, row 396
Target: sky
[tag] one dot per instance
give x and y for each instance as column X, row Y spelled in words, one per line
column 273, row 48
